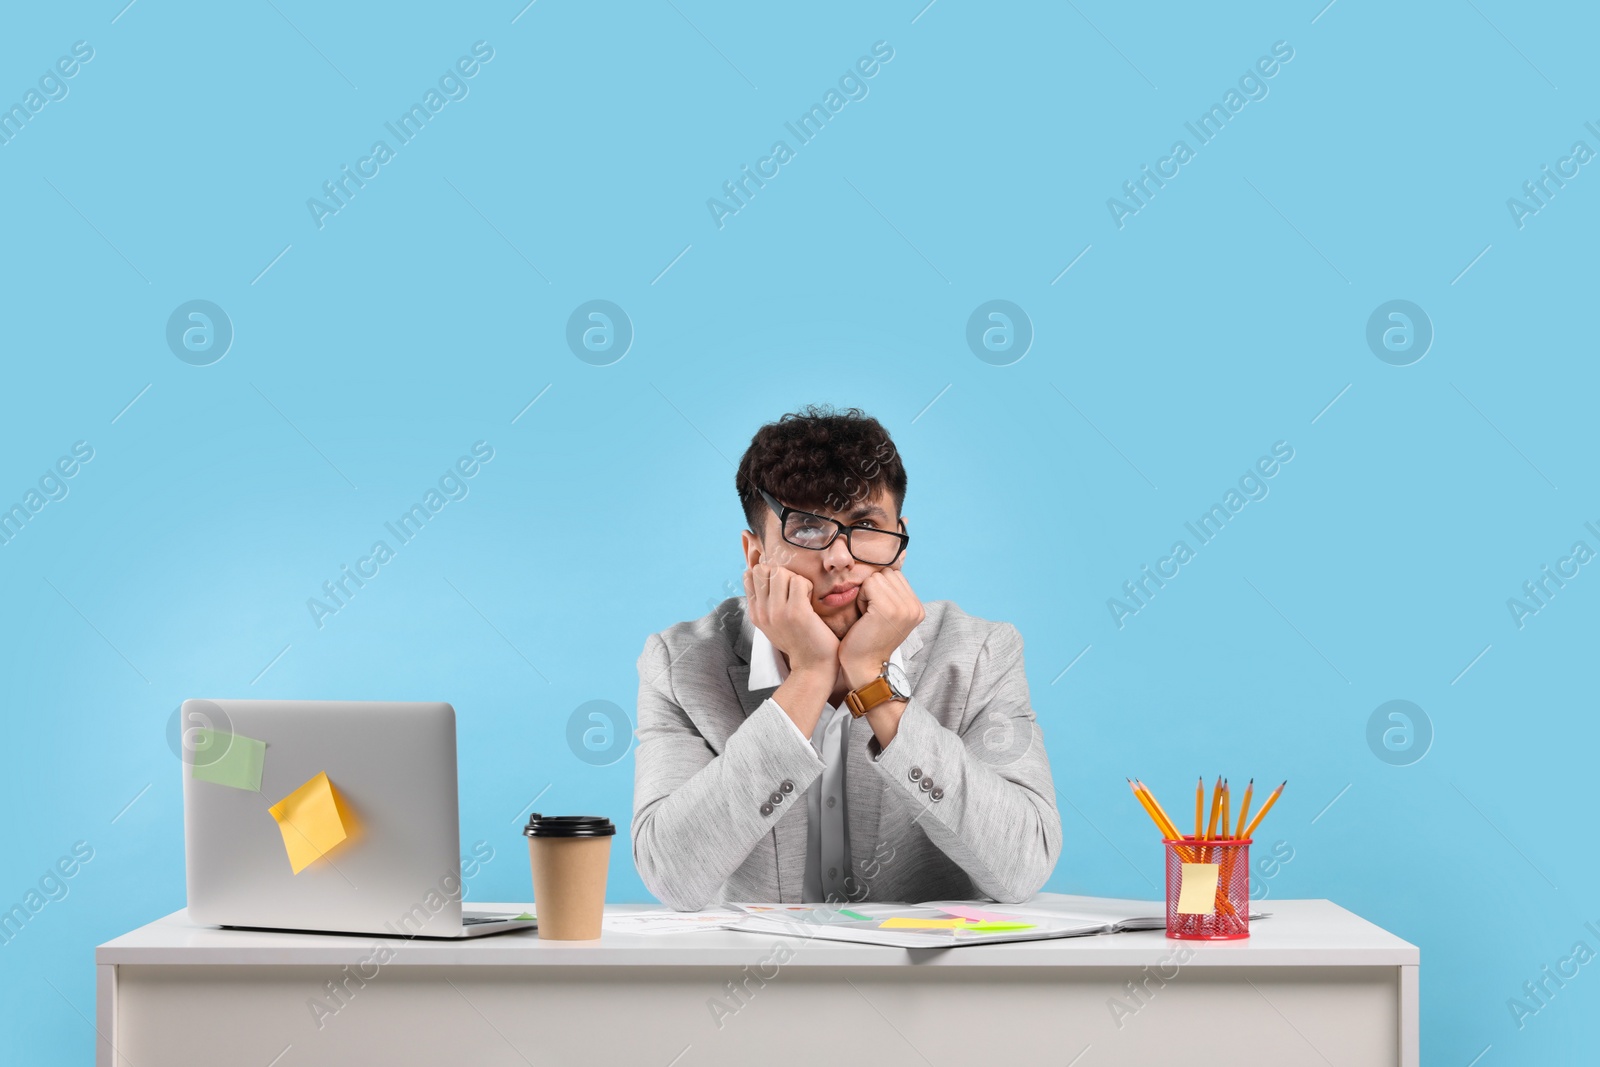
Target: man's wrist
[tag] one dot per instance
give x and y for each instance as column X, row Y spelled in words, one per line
column 884, row 717
column 826, row 671
column 885, row 721
column 804, row 693
column 859, row 672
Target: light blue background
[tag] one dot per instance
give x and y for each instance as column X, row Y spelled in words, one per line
column 1224, row 316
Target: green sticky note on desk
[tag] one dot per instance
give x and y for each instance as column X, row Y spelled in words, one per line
column 524, row 915
column 997, row 926
column 228, row 759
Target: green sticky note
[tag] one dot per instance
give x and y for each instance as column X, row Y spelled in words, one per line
column 994, row 927
column 524, row 915
column 854, row 915
column 228, row 759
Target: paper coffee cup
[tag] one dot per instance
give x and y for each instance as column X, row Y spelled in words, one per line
column 569, row 855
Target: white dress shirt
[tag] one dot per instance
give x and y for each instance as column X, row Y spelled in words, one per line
column 827, row 835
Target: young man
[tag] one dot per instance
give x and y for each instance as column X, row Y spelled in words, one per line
column 827, row 736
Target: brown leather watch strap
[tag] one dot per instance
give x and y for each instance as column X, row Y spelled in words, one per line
column 869, row 696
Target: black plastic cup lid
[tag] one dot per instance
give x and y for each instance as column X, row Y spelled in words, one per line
column 569, row 826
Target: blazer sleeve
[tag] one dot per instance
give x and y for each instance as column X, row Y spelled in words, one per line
column 991, row 803
column 698, row 815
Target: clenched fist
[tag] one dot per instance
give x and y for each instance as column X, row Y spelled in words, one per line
column 889, row 612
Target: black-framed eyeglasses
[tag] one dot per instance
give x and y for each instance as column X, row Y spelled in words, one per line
column 868, row 544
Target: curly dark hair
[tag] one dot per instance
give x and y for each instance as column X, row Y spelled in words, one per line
column 818, row 459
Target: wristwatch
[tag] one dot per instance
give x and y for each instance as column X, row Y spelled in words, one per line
column 890, row 684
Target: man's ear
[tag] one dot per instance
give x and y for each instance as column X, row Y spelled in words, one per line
column 900, row 563
column 750, row 544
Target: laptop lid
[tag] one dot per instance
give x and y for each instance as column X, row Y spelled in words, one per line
column 391, row 782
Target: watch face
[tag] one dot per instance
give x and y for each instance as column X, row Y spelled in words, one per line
column 898, row 681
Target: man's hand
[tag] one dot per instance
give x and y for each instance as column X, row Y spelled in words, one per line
column 780, row 605
column 890, row 611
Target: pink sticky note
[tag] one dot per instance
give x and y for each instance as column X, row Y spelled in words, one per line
column 975, row 914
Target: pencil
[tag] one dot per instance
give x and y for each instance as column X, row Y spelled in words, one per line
column 1244, row 809
column 1172, row 827
column 1199, row 806
column 1225, row 808
column 1273, row 799
column 1152, row 809
column 1216, row 799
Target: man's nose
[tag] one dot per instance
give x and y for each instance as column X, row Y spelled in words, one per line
column 837, row 556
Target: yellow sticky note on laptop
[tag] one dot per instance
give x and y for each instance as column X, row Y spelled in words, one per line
column 903, row 922
column 1197, row 891
column 310, row 823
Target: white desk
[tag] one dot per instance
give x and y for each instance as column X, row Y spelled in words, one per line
column 1313, row 984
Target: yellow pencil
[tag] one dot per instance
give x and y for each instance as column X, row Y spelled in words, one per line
column 1148, row 810
column 1150, row 805
column 1216, row 800
column 1153, row 808
column 1172, row 827
column 1244, row 809
column 1225, row 808
column 1199, row 807
column 1273, row 799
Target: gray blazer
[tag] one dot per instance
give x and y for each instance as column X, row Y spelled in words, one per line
column 960, row 805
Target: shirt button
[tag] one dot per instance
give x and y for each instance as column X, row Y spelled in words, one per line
column 916, row 773
column 833, row 872
column 776, row 798
column 766, row 809
column 937, row 794
column 832, row 801
column 786, row 786
column 927, row 784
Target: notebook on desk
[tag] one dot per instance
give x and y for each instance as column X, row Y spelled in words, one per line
column 951, row 923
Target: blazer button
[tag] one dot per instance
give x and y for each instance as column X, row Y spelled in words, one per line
column 776, row 798
column 927, row 784
column 766, row 809
column 916, row 773
column 786, row 786
column 937, row 794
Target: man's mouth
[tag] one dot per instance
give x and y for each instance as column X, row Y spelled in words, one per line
column 841, row 595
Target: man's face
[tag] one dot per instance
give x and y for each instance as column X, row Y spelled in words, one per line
column 835, row 574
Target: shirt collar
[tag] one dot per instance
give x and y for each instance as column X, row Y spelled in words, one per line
column 767, row 668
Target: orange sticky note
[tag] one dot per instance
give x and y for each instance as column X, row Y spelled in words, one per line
column 310, row 823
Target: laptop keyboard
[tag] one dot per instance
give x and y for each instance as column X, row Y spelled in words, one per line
column 479, row 920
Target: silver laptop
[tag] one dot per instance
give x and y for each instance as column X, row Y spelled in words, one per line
column 391, row 776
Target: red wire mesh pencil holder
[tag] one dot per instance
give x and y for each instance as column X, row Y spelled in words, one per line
column 1208, row 889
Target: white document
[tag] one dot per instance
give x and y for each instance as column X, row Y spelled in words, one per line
column 970, row 922
column 671, row 922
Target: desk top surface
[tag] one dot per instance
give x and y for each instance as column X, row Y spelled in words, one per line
column 1299, row 933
